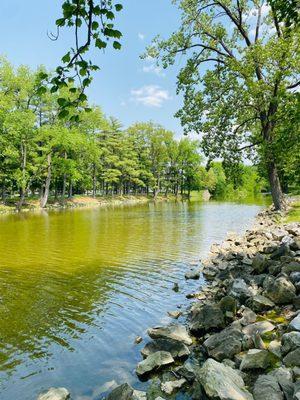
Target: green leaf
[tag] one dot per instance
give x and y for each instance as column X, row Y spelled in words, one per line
column 95, row 25
column 62, row 101
column 82, row 97
column 86, row 82
column 41, row 90
column 60, row 22
column 66, row 58
column 100, row 44
column 118, row 7
column 117, row 45
column 63, row 113
column 54, row 89
column 110, row 15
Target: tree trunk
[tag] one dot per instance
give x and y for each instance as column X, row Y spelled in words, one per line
column 277, row 195
column 44, row 198
column 94, row 181
column 70, row 194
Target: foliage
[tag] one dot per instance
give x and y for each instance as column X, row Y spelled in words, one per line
column 241, row 69
column 41, row 153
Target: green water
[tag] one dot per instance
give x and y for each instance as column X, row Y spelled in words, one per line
column 77, row 287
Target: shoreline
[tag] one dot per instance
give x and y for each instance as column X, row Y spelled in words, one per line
column 241, row 336
column 87, row 202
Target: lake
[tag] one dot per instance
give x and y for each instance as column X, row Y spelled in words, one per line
column 77, row 287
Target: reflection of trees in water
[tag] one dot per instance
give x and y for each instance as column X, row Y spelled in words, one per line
column 61, row 270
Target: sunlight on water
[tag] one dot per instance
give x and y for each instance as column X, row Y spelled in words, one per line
column 77, row 287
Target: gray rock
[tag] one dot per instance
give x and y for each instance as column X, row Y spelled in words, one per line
column 139, row 395
column 267, row 388
column 293, row 266
column 292, row 359
column 174, row 314
column 240, row 290
column 154, row 362
column 224, row 344
column 290, row 341
column 284, row 377
column 122, row 392
column 260, row 303
column 280, row 290
column 260, row 263
column 192, row 275
column 297, row 391
column 256, row 359
column 248, row 317
column 294, row 325
column 175, row 332
column 275, row 348
column 206, row 317
column 55, row 394
column 260, row 327
column 222, row 382
column 176, row 348
column 228, row 303
column 170, row 386
column 295, row 277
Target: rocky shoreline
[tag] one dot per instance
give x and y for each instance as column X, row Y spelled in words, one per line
column 241, row 338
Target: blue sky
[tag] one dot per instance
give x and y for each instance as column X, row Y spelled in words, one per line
column 126, row 87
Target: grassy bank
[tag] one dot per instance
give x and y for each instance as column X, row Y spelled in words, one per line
column 293, row 214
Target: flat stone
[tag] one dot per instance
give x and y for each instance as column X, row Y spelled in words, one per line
column 154, row 362
column 228, row 303
column 256, row 359
column 248, row 317
column 292, row 359
column 284, row 378
column 290, row 341
column 260, row 327
column 192, row 275
column 295, row 323
column 260, row 303
column 174, row 347
column 267, row 388
column 224, row 344
column 176, row 332
column 170, row 386
column 222, row 382
column 55, row 394
column 174, row 314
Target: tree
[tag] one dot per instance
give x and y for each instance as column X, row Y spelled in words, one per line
column 241, row 68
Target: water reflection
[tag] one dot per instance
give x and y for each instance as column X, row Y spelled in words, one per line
column 77, row 286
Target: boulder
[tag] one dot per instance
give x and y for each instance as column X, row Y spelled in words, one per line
column 174, row 347
column 222, row 382
column 174, row 314
column 284, row 377
column 170, row 386
column 280, row 290
column 122, row 392
column 192, row 275
column 260, row 327
column 154, row 362
column 55, row 394
column 267, row 388
column 260, row 263
column 240, row 290
column 295, row 277
column 206, row 317
column 228, row 303
column 175, row 332
column 260, row 303
column 224, row 344
column 248, row 317
column 295, row 323
column 256, row 359
column 290, row 341
column 297, row 391
column 292, row 359
column 293, row 266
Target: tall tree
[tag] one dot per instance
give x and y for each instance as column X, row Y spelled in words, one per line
column 241, row 68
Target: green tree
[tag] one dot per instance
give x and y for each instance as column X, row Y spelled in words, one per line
column 241, row 68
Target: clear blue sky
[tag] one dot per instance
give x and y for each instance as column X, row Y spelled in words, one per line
column 126, row 87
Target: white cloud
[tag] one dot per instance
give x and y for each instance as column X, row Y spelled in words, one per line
column 150, row 95
column 141, row 36
column 152, row 68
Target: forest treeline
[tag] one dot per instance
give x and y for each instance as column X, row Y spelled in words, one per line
column 41, row 154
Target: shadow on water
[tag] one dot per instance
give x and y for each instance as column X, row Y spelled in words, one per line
column 77, row 286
